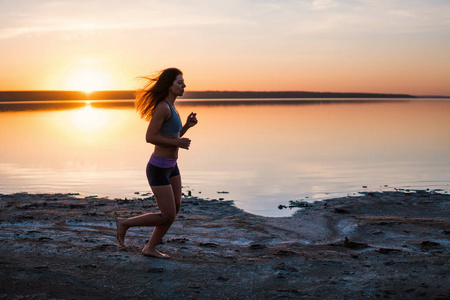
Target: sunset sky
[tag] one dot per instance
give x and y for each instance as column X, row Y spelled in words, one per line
column 383, row 46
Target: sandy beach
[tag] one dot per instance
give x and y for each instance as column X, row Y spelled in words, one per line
column 391, row 245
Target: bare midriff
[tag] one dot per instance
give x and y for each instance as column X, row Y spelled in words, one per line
column 167, row 151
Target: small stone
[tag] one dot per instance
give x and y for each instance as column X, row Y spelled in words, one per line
column 257, row 247
column 340, row 210
column 220, row 278
column 155, row 270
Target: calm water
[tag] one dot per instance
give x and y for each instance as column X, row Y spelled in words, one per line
column 260, row 154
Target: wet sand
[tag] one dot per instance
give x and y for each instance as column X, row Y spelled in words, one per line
column 390, row 245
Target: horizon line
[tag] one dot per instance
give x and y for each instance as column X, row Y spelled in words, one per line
column 230, row 92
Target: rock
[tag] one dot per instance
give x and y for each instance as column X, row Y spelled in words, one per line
column 257, row 247
column 339, row 210
column 387, row 250
column 284, row 253
column 429, row 244
column 211, row 245
column 351, row 245
column 299, row 204
column 221, row 278
column 155, row 270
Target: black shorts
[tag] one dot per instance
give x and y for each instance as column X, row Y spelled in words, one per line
column 157, row 176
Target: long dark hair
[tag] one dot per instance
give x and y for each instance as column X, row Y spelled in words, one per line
column 154, row 91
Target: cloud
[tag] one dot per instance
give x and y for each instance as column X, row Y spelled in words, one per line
column 263, row 19
column 56, row 16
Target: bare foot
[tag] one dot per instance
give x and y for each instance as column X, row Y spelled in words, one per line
column 121, row 231
column 154, row 253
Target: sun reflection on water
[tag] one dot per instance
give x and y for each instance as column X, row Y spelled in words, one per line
column 89, row 119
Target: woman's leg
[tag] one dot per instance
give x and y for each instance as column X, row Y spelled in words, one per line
column 168, row 209
column 167, row 203
column 176, row 188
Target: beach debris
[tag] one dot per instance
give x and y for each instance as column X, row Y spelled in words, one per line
column 223, row 192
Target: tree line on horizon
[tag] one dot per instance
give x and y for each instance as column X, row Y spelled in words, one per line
column 7, row 96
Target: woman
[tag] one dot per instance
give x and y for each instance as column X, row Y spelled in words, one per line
column 157, row 104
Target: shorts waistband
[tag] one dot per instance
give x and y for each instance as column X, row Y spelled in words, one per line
column 163, row 162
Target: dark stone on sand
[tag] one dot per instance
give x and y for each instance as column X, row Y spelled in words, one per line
column 299, row 204
column 339, row 210
column 284, row 253
column 351, row 245
column 155, row 270
column 221, row 278
column 209, row 244
column 257, row 247
column 76, row 206
column 429, row 244
column 387, row 250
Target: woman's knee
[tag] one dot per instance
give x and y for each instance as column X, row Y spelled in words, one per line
column 168, row 218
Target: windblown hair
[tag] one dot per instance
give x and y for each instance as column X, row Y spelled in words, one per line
column 154, row 91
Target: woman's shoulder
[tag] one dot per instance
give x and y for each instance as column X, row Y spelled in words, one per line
column 163, row 109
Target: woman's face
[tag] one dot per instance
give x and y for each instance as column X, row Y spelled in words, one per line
column 178, row 86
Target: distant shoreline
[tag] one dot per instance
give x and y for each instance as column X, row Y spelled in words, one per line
column 12, row 96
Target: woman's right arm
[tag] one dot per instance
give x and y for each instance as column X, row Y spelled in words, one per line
column 153, row 135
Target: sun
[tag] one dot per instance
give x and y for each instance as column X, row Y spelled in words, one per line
column 88, row 79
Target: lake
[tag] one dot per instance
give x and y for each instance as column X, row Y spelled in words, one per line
column 258, row 153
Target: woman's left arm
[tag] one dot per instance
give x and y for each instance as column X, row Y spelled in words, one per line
column 191, row 121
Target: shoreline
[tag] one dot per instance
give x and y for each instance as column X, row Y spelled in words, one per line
column 130, row 94
column 391, row 245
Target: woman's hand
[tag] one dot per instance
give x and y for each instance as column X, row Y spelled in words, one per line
column 184, row 143
column 192, row 120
